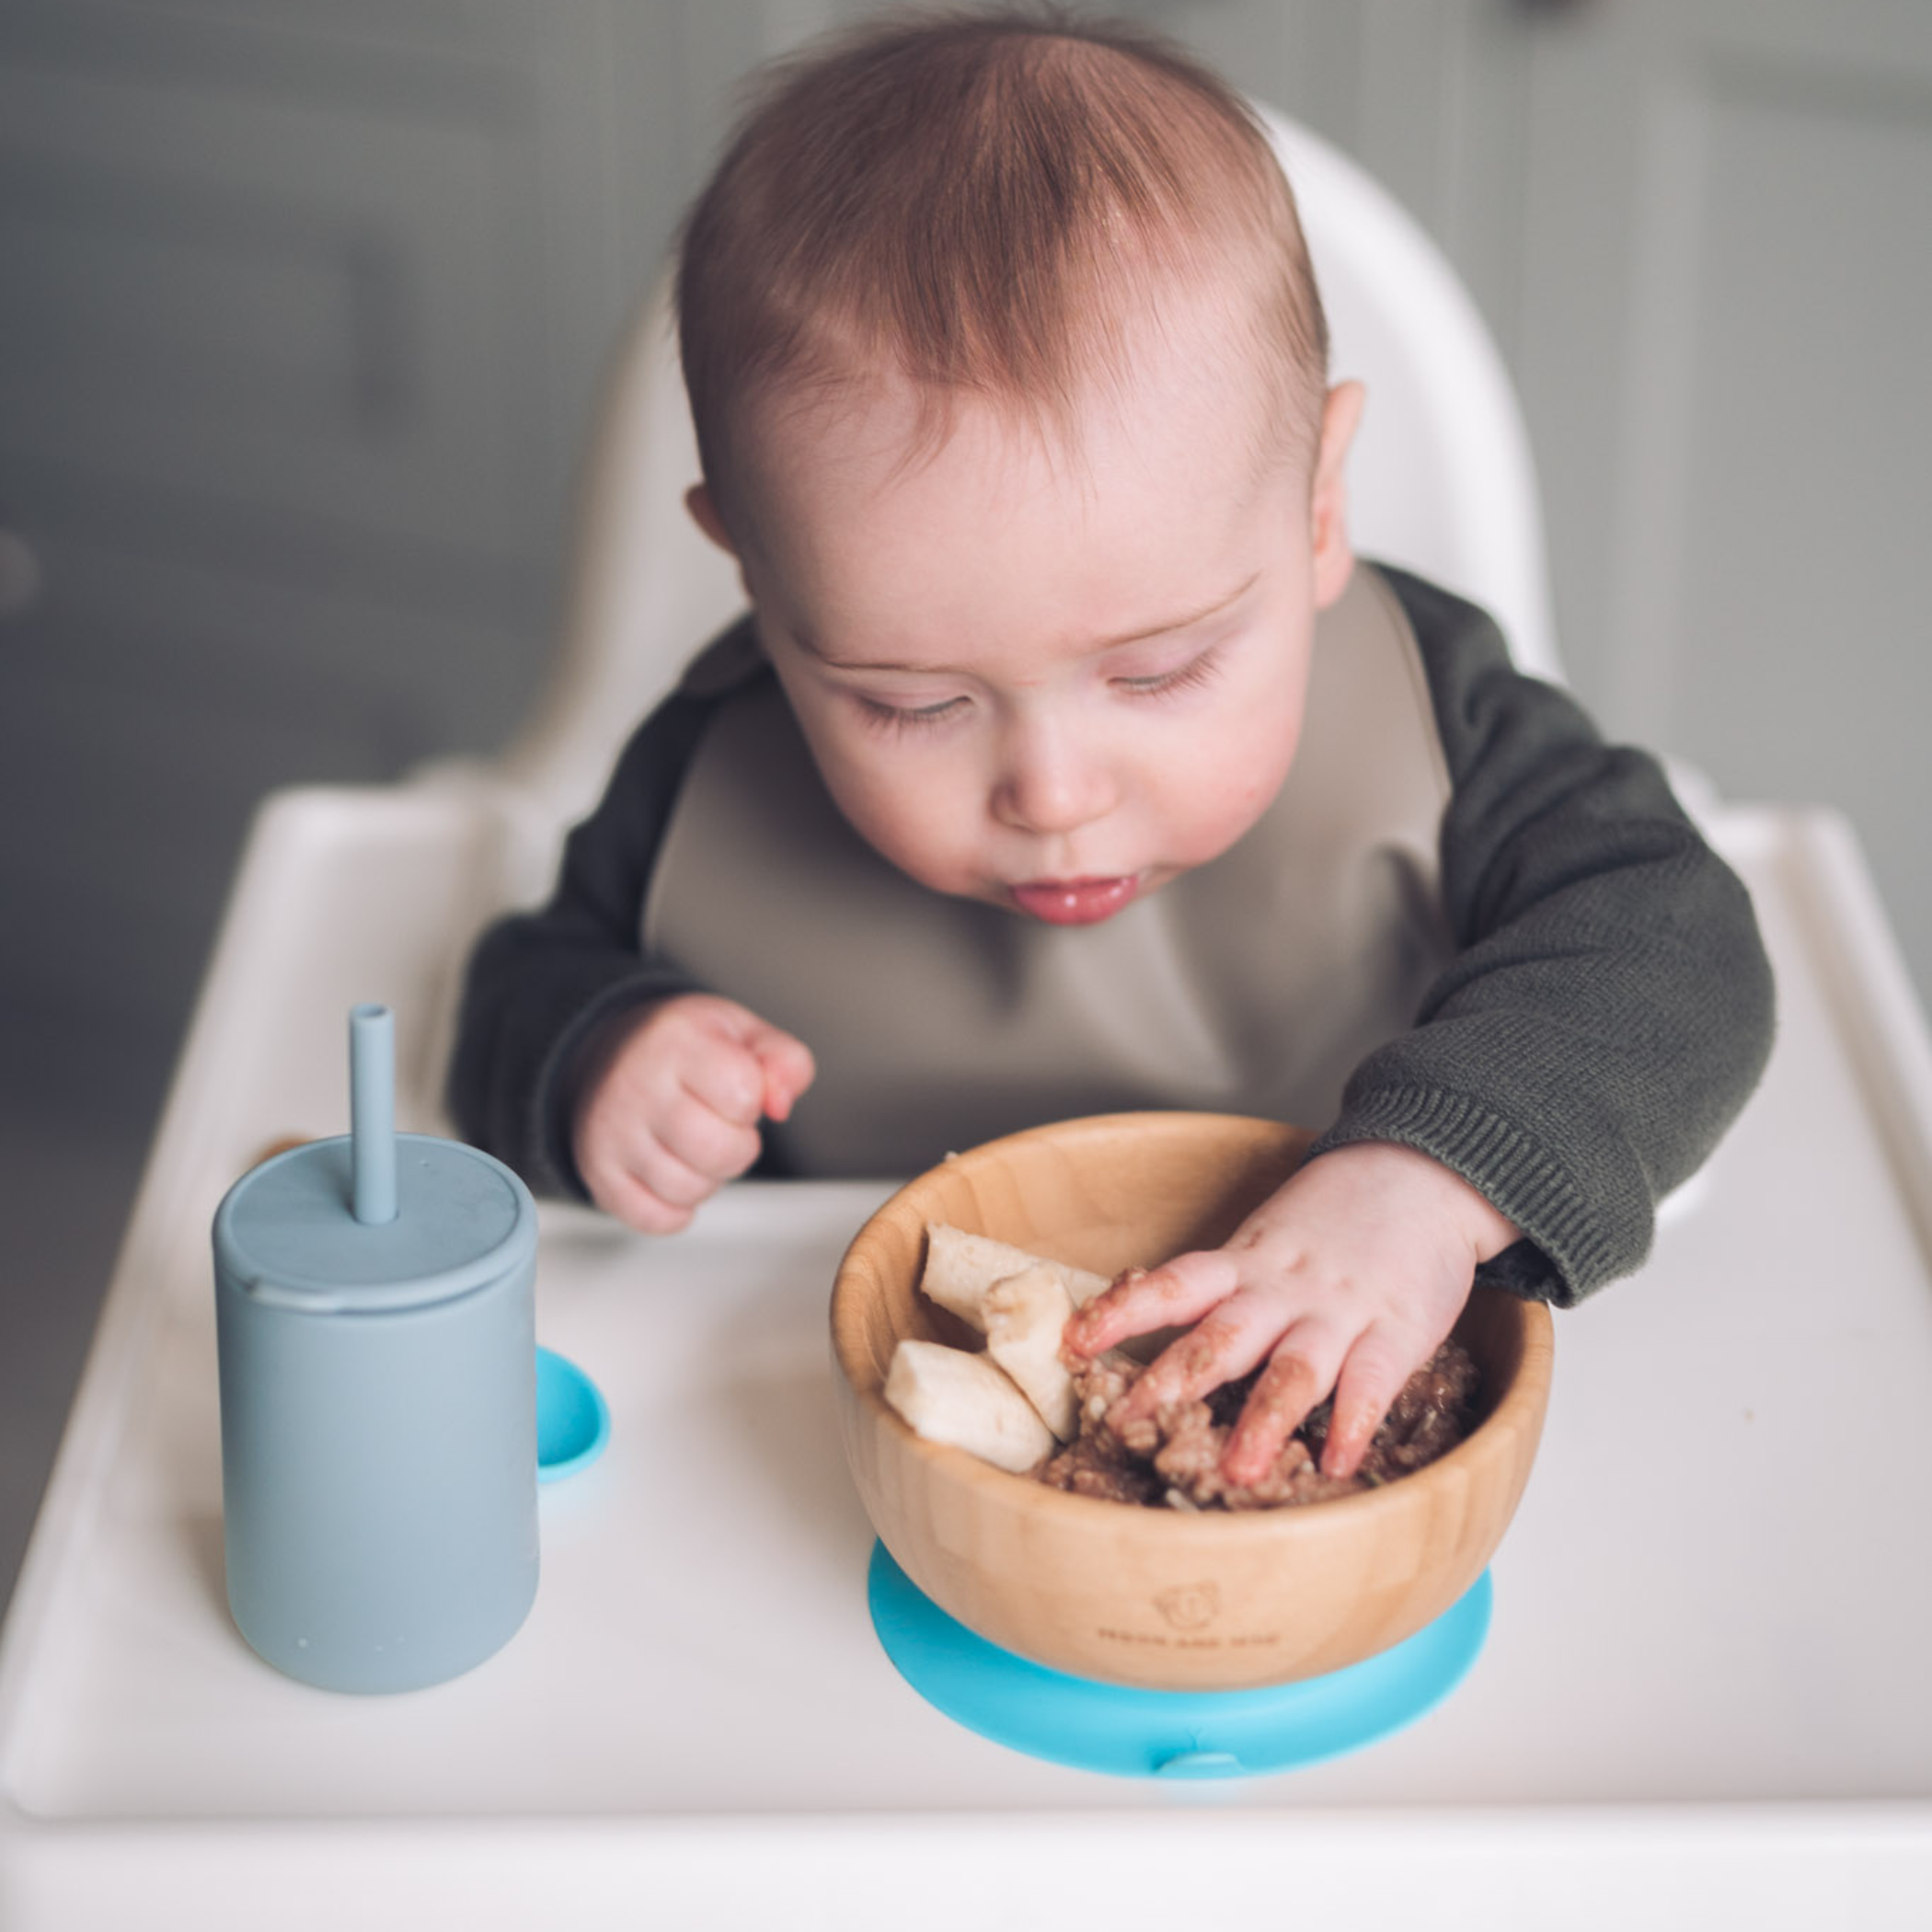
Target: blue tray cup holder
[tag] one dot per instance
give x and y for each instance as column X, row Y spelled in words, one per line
column 573, row 1422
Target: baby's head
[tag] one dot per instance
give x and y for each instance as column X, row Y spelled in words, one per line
column 1010, row 379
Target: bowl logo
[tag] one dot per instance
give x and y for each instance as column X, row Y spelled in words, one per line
column 1190, row 1606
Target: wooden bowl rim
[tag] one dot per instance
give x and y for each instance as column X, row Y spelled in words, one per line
column 1520, row 1408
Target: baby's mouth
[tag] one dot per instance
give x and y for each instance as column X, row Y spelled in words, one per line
column 1075, row 902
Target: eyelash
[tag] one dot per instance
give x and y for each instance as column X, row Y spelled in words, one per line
column 1196, row 671
column 897, row 719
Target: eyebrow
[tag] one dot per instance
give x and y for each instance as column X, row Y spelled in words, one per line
column 813, row 648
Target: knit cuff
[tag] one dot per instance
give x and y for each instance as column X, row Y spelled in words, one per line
column 1511, row 1172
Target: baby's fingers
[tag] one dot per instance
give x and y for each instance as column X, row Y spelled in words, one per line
column 695, row 1135
column 1165, row 1297
column 667, row 1175
column 729, row 1080
column 619, row 1191
column 740, row 1064
column 1299, row 1373
column 1225, row 1346
column 787, row 1065
column 1370, row 1379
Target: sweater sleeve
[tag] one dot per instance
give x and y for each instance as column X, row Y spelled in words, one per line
column 542, row 983
column 1609, row 1008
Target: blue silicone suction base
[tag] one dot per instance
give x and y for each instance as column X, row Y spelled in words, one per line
column 573, row 1421
column 1149, row 1733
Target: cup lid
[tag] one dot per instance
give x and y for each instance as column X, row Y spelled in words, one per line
column 287, row 1235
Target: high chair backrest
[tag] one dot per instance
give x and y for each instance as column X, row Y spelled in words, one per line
column 1441, row 480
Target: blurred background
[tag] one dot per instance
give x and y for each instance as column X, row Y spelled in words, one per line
column 302, row 308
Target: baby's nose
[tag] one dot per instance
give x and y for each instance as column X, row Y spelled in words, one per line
column 1053, row 785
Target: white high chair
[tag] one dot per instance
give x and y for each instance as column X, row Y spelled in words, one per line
column 623, row 1748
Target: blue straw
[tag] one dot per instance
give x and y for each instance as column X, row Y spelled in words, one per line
column 372, row 1112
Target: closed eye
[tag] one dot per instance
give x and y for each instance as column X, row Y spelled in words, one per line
column 906, row 718
column 1197, row 670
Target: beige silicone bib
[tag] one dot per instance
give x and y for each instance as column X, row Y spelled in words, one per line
column 1253, row 984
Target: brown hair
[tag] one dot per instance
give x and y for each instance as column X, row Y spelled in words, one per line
column 983, row 199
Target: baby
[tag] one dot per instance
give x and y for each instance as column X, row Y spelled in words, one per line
column 1069, row 761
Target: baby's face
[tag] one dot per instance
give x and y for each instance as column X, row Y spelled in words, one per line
column 1050, row 681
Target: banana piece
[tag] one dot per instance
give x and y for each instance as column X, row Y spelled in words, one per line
column 1025, row 1314
column 950, row 1396
column 960, row 1268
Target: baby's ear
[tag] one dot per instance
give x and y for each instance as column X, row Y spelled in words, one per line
column 703, row 507
column 1333, row 555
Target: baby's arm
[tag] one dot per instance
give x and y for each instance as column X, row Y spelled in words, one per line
column 1609, row 1007
column 1348, row 1278
column 544, row 986
column 1607, row 1013
column 669, row 1104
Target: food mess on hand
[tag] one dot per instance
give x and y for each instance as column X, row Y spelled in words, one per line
column 1030, row 1406
column 1172, row 1458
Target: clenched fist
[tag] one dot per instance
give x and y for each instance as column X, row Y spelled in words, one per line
column 670, row 1108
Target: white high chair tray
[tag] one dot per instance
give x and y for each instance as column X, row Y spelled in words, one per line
column 1707, row 1691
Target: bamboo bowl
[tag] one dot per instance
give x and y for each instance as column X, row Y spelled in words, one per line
column 1157, row 1597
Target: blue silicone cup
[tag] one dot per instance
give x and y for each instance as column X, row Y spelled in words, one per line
column 378, row 1414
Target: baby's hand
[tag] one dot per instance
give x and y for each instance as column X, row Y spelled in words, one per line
column 670, row 1108
column 1349, row 1277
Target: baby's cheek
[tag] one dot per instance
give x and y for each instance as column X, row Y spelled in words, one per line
column 1222, row 806
column 914, row 828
